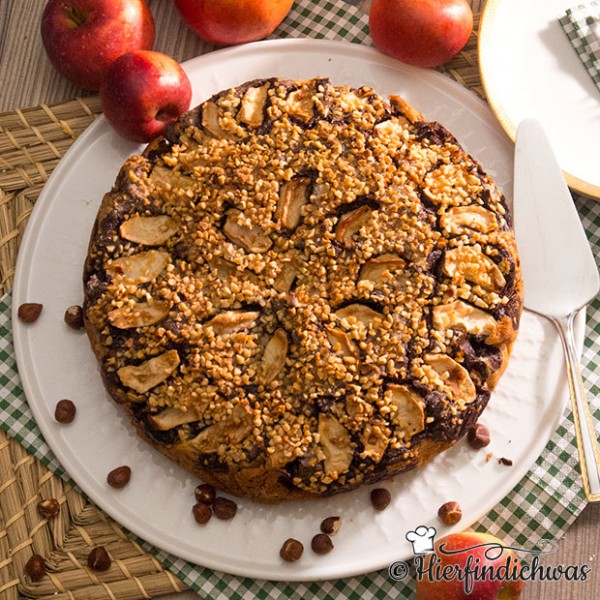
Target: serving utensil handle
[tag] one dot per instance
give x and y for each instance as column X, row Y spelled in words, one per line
column 587, row 442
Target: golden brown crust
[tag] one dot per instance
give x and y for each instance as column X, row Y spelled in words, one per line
column 301, row 289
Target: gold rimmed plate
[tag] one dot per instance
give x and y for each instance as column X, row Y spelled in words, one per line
column 529, row 69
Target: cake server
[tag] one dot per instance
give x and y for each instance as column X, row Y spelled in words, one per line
column 559, row 271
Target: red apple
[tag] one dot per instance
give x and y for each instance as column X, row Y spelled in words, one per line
column 458, row 553
column 82, row 37
column 424, row 33
column 228, row 22
column 142, row 92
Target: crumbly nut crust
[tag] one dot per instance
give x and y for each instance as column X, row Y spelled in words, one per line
column 302, row 288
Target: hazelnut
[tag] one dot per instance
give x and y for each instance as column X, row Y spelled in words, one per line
column 291, row 550
column 29, row 312
column 380, row 498
column 205, row 493
column 35, row 567
column 74, row 317
column 64, row 412
column 331, row 525
column 48, row 508
column 450, row 513
column 98, row 559
column 119, row 477
column 202, row 513
column 321, row 544
column 224, row 508
column 478, row 436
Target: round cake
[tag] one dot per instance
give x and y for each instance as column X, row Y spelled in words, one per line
column 302, row 288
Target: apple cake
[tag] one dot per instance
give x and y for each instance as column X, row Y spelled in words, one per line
column 301, row 288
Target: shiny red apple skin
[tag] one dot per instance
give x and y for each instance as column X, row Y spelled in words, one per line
column 423, row 33
column 438, row 589
column 230, row 22
column 142, row 92
column 83, row 37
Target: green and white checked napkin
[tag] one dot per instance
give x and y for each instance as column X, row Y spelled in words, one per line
column 544, row 503
column 581, row 23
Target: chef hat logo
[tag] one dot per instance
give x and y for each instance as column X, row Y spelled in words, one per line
column 422, row 539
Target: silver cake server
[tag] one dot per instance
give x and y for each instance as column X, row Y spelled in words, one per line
column 559, row 271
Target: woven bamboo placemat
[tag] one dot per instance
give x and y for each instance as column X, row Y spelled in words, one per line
column 32, row 141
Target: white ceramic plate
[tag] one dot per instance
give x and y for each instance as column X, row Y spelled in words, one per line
column 529, row 69
column 55, row 362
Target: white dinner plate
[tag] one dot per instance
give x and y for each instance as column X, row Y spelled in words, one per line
column 529, row 69
column 55, row 362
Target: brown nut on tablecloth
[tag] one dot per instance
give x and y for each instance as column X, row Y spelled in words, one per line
column 98, row 559
column 119, row 477
column 450, row 513
column 29, row 312
column 291, row 550
column 478, row 436
column 224, row 508
column 205, row 493
column 35, row 567
column 74, row 317
column 65, row 411
column 331, row 525
column 321, row 544
column 48, row 508
column 380, row 498
column 202, row 513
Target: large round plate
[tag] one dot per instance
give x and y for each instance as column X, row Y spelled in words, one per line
column 529, row 69
column 55, row 362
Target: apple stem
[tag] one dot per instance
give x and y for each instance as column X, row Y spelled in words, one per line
column 78, row 17
column 167, row 114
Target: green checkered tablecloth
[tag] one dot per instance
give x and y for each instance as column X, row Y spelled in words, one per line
column 544, row 503
column 581, row 23
column 326, row 19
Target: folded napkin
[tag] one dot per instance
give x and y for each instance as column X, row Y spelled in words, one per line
column 581, row 23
